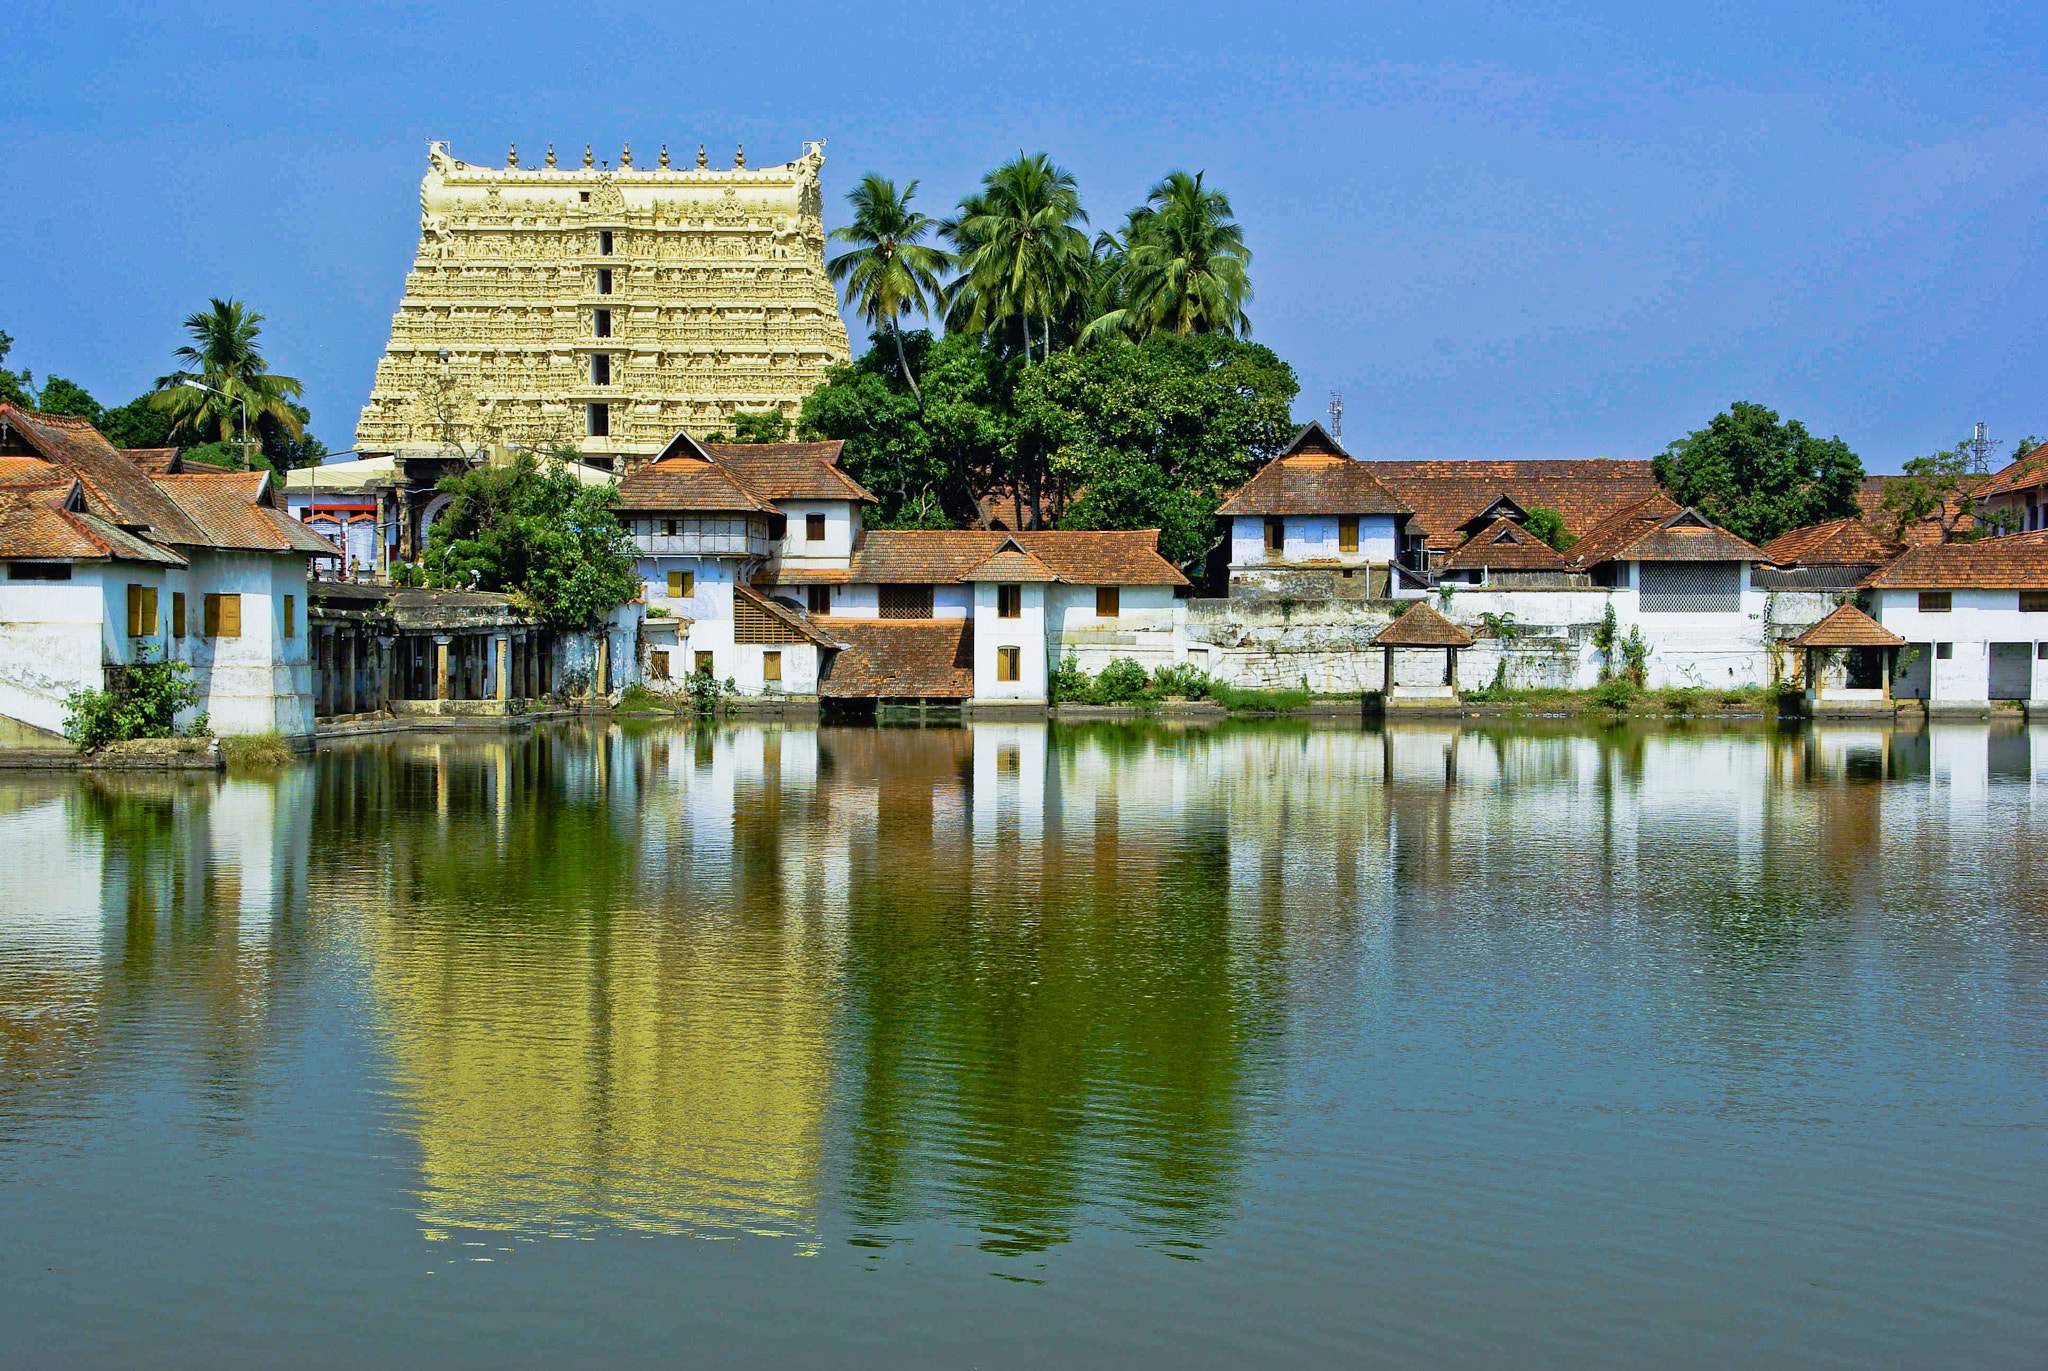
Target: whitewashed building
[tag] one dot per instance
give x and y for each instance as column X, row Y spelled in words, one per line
column 1974, row 616
column 105, row 563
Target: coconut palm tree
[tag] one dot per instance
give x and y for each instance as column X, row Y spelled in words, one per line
column 1181, row 264
column 892, row 274
column 1020, row 251
column 224, row 355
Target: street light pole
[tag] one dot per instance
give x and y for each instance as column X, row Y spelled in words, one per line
column 201, row 385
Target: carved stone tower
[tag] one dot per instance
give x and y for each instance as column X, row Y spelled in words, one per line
column 603, row 307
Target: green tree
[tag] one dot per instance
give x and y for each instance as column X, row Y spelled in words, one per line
column 60, row 396
column 927, row 465
column 1155, row 434
column 139, row 423
column 1758, row 477
column 532, row 529
column 892, row 274
column 1548, row 524
column 16, row 387
column 224, row 354
column 1937, row 487
column 1181, row 265
column 760, row 426
column 1021, row 254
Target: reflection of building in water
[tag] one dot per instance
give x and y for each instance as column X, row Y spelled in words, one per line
column 626, row 1038
column 178, row 900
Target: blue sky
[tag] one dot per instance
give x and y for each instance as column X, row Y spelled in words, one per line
column 1520, row 230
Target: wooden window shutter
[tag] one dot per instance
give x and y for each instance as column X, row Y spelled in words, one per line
column 814, row 528
column 210, row 624
column 675, row 585
column 1347, row 533
column 1009, row 602
column 1007, row 663
column 771, row 666
column 1108, row 601
column 134, row 611
column 227, row 616
column 291, row 616
column 819, row 599
column 177, row 613
column 1276, row 535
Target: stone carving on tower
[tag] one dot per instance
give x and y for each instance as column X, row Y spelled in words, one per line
column 605, row 307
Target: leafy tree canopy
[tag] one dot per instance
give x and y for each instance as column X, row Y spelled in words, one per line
column 59, row 396
column 1758, row 477
column 531, row 529
column 139, row 423
column 1936, row 487
column 225, row 357
column 1548, row 524
column 16, row 387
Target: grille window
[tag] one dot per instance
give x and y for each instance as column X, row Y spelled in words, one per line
column 1692, row 587
column 906, row 602
column 753, row 624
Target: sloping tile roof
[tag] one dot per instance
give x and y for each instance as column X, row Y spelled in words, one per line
column 790, row 471
column 1314, row 476
column 1103, row 557
column 32, row 471
column 49, row 521
column 797, row 623
column 1660, row 530
column 689, row 484
column 1009, row 563
column 2028, row 471
column 1839, row 542
column 1447, row 495
column 228, row 508
column 899, row 658
column 1848, row 626
column 1870, row 499
column 157, row 461
column 1422, row 626
column 2016, row 562
column 1505, row 544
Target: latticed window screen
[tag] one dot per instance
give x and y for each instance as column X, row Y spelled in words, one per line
column 753, row 624
column 906, row 602
column 1691, row 587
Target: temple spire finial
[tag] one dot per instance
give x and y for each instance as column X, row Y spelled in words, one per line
column 512, row 155
column 664, row 155
column 586, row 156
column 626, row 154
column 701, row 163
column 551, row 154
column 739, row 157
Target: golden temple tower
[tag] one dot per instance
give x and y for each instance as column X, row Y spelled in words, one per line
column 605, row 307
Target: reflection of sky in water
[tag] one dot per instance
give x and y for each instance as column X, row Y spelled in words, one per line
column 1281, row 999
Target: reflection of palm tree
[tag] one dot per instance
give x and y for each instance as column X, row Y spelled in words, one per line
column 1180, row 265
column 224, row 354
column 892, row 274
column 1020, row 253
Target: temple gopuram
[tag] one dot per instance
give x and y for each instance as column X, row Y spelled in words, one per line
column 608, row 307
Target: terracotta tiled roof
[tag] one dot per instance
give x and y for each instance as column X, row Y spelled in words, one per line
column 229, row 509
column 2030, row 470
column 1870, row 499
column 2017, row 562
column 1848, row 626
column 1009, row 563
column 1659, row 530
column 790, row 471
column 32, row 471
column 1505, row 544
column 51, row 521
column 115, row 488
column 1839, row 542
column 1422, row 626
column 157, row 461
column 1104, row 557
column 777, row 575
column 797, row 623
column 689, row 484
column 899, row 658
column 1313, row 476
column 1446, row 496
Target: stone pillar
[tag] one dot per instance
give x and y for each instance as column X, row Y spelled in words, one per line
column 504, row 655
column 440, row 666
column 348, row 672
column 601, row 670
column 1387, row 674
column 1885, row 655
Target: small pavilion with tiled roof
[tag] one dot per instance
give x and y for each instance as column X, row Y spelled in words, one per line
column 1847, row 629
column 1421, row 627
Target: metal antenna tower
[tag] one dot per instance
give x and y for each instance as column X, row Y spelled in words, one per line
column 1336, row 414
column 1980, row 450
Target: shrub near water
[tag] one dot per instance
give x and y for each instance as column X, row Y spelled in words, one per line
column 141, row 701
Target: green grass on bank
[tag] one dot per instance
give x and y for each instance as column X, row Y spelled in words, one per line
column 256, row 752
column 1623, row 697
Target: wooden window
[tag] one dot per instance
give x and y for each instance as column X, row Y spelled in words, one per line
column 657, row 665
column 668, row 528
column 598, row 421
column 1347, row 533
column 604, row 242
column 1008, row 662
column 1276, row 535
column 1009, row 602
column 682, row 585
column 2034, row 602
column 177, row 614
column 223, row 616
column 601, row 323
column 39, row 571
column 771, row 666
column 1935, row 601
column 814, row 528
column 1108, row 601
column 819, row 598
column 291, row 616
column 905, row 602
column 141, row 611
column 703, row 664
column 604, row 280
column 753, row 624
column 600, row 368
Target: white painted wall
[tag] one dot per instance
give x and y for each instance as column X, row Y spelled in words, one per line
column 949, row 601
column 1975, row 620
column 842, row 522
column 1312, row 537
column 1026, row 632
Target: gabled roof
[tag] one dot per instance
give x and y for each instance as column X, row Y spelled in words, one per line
column 1102, row 557
column 1505, row 544
column 1660, row 530
column 51, row 521
column 899, row 658
column 2025, row 473
column 157, row 461
column 795, row 622
column 790, row 471
column 1422, row 626
column 1839, row 542
column 2016, row 562
column 1848, row 626
column 688, row 484
column 1446, row 495
column 1009, row 563
column 232, row 509
column 1313, row 476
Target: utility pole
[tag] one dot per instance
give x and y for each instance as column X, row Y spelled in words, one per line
column 1337, row 415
